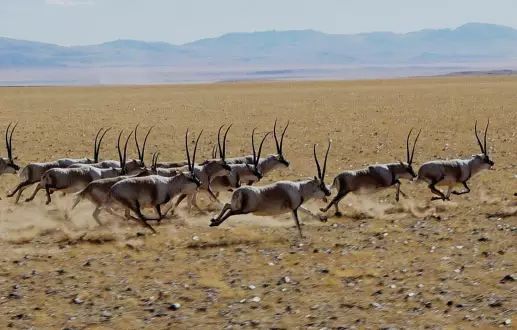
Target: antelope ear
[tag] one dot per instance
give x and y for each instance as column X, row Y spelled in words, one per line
column 315, row 178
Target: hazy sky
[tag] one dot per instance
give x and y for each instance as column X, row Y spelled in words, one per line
column 92, row 21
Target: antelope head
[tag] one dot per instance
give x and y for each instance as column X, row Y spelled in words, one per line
column 320, row 189
column 141, row 152
column 7, row 165
column 97, row 144
column 407, row 171
column 483, row 158
column 191, row 162
column 122, row 156
column 256, row 156
column 280, row 145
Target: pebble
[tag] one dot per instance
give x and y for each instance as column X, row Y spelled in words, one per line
column 507, row 322
column 251, row 287
column 255, row 299
column 508, row 278
column 174, row 307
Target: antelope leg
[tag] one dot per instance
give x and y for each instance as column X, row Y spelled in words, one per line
column 436, row 192
column 297, row 221
column 335, row 201
column 465, row 191
column 38, row 188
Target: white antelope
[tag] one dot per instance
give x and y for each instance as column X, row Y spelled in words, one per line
column 267, row 164
column 277, row 198
column 74, row 179
column 7, row 164
column 155, row 190
column 238, row 171
column 32, row 172
column 98, row 191
column 456, row 171
column 374, row 177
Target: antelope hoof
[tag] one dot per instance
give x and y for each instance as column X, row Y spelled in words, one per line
column 339, row 214
column 323, row 209
column 323, row 218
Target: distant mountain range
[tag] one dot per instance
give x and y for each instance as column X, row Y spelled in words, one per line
column 278, row 51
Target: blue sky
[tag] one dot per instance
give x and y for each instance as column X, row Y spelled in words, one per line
column 73, row 22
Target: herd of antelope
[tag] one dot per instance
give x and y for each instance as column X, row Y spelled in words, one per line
column 131, row 185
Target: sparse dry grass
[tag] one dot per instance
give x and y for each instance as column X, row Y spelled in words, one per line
column 415, row 265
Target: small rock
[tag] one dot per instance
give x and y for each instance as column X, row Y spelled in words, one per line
column 195, row 238
column 376, row 305
column 255, row 299
column 106, row 314
column 77, row 301
column 174, row 307
column 285, row 280
column 508, row 278
column 251, row 287
column 507, row 322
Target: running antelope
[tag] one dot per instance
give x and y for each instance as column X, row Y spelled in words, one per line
column 456, row 171
column 7, row 165
column 233, row 179
column 154, row 190
column 277, row 198
column 267, row 164
column 74, row 179
column 374, row 177
column 33, row 172
column 98, row 191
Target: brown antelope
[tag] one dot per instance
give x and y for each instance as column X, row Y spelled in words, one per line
column 154, row 190
column 233, row 179
column 74, row 179
column 374, row 177
column 277, row 198
column 269, row 163
column 7, row 164
column 456, row 171
column 98, row 191
column 32, row 172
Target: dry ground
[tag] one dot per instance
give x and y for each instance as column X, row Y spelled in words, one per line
column 415, row 264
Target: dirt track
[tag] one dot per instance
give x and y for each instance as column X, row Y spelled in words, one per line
column 412, row 264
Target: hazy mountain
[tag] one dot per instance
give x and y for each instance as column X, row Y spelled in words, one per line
column 473, row 42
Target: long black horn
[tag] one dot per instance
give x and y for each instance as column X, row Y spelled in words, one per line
column 260, row 148
column 414, row 145
column 118, row 149
column 98, row 151
column 195, row 151
column 253, row 145
column 317, row 163
column 10, row 154
column 325, row 162
column 484, row 144
column 145, row 142
column 136, row 142
column 187, row 151
column 219, row 141
column 477, row 137
column 95, row 144
column 224, row 141
column 278, row 148
column 214, row 151
column 124, row 157
column 282, row 138
column 408, row 155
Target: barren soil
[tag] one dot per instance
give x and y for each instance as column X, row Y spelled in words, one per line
column 412, row 264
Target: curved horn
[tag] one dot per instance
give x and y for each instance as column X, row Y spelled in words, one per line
column 123, row 164
column 408, row 155
column 260, row 148
column 136, row 142
column 214, row 151
column 118, row 149
column 414, row 145
column 145, row 142
column 484, row 142
column 325, row 162
column 187, row 151
column 278, row 148
column 253, row 145
column 95, row 144
column 224, row 141
column 195, row 151
column 9, row 141
column 98, row 151
column 282, row 138
column 477, row 137
column 219, row 141
column 317, row 163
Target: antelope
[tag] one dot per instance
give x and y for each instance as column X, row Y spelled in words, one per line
column 74, row 179
column 452, row 172
column 206, row 172
column 154, row 190
column 97, row 191
column 7, row 165
column 233, row 179
column 33, row 172
column 277, row 198
column 374, row 177
column 267, row 164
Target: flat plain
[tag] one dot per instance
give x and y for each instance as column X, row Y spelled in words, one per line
column 412, row 264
